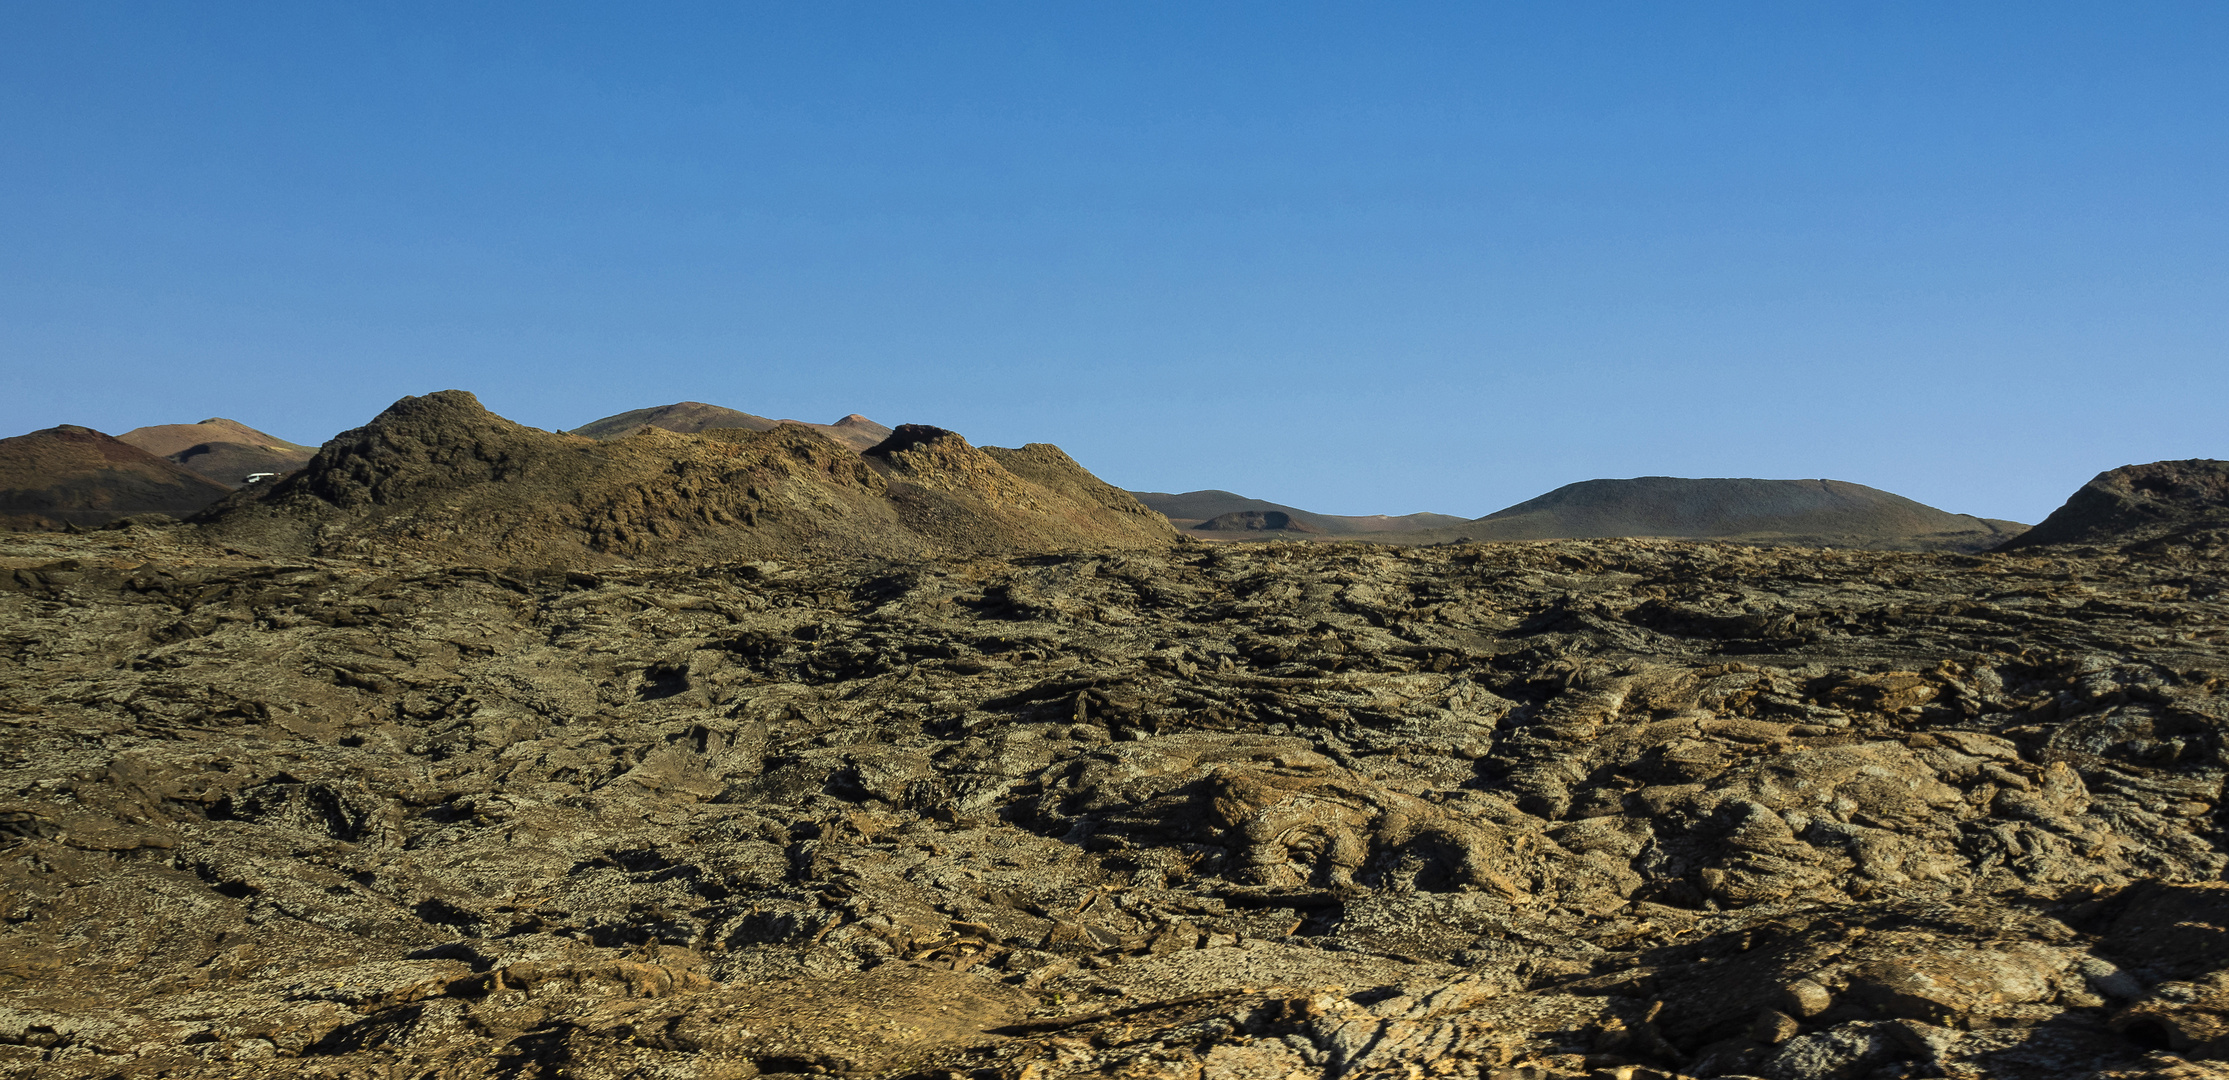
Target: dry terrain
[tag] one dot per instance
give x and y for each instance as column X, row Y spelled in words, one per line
column 470, row 751
column 1321, row 810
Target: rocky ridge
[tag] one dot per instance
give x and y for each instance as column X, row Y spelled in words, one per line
column 440, row 476
column 1619, row 808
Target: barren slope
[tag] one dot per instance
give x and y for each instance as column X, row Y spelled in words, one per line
column 218, row 449
column 1556, row 811
column 2137, row 503
column 1820, row 512
column 71, row 475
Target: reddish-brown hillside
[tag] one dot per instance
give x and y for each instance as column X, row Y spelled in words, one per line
column 71, row 475
column 226, row 451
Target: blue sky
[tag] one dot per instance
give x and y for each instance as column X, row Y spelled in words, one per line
column 1359, row 258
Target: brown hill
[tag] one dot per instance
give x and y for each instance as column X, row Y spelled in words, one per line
column 2138, row 503
column 232, row 464
column 226, row 451
column 163, row 440
column 1194, row 509
column 440, row 476
column 1815, row 512
column 686, row 417
column 72, row 475
column 691, row 417
column 853, row 430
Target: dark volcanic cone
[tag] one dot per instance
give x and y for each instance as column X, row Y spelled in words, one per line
column 442, row 440
column 1830, row 512
column 1193, row 509
column 71, row 475
column 1256, row 521
column 2136, row 503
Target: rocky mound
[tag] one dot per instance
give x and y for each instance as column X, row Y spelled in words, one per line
column 1570, row 811
column 2137, row 503
column 691, row 417
column 1817, row 512
column 73, row 475
column 686, row 417
column 1257, row 521
column 441, row 477
column 218, row 449
column 1192, row 509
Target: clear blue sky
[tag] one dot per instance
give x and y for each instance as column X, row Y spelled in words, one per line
column 1358, row 258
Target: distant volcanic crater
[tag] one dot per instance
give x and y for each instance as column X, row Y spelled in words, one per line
column 439, row 475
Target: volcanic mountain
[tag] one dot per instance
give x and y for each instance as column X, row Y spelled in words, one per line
column 440, row 476
column 1813, row 512
column 1213, row 511
column 1807, row 512
column 73, row 475
column 2139, row 503
column 226, row 451
column 691, row 417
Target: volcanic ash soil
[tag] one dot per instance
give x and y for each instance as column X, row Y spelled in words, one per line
column 1611, row 808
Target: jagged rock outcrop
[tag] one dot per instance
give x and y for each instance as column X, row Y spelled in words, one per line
column 440, row 476
column 76, row 476
column 2188, row 500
